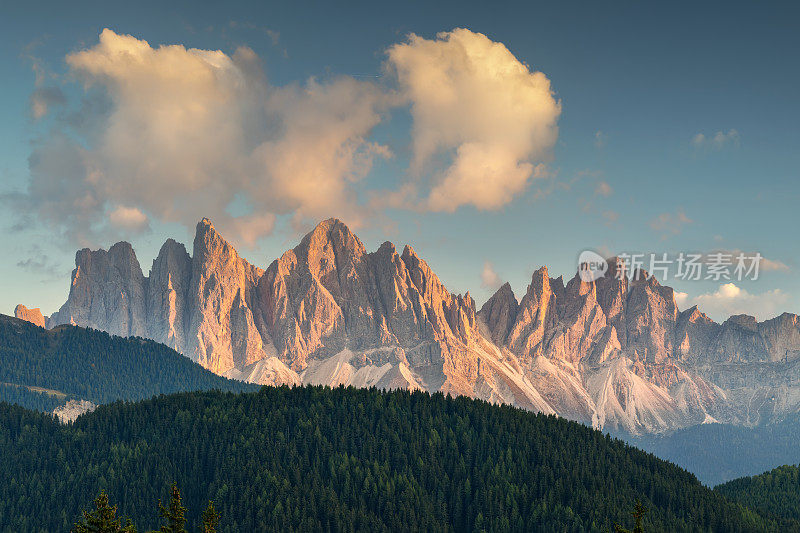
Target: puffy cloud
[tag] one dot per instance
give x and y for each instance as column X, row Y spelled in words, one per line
column 681, row 299
column 717, row 140
column 184, row 131
column 472, row 98
column 128, row 218
column 322, row 149
column 172, row 134
column 489, row 278
column 731, row 299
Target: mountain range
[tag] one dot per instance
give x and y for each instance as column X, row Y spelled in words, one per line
column 615, row 353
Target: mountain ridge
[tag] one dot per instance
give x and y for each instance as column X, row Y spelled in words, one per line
column 614, row 353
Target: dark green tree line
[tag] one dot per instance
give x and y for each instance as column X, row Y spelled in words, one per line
column 311, row 458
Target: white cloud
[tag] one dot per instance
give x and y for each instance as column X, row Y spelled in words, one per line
column 173, row 134
column 717, row 140
column 472, row 98
column 681, row 299
column 184, row 131
column 128, row 218
column 730, row 299
column 489, row 278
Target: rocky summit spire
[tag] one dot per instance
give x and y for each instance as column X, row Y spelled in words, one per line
column 499, row 313
column 220, row 299
column 167, row 295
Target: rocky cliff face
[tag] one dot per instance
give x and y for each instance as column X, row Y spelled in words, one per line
column 613, row 353
column 107, row 292
column 34, row 316
column 618, row 353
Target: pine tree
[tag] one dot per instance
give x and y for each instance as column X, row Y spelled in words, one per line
column 639, row 510
column 103, row 519
column 209, row 519
column 175, row 514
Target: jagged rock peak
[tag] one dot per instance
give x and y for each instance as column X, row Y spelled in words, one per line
column 34, row 316
column 210, row 247
column 387, row 248
column 409, row 252
column 540, row 275
column 743, row 321
column 499, row 313
column 330, row 236
column 613, row 352
column 506, row 292
column 172, row 246
column 694, row 315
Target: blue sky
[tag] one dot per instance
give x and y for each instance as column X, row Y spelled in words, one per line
column 624, row 172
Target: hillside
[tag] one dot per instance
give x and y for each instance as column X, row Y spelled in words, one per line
column 345, row 459
column 775, row 493
column 69, row 362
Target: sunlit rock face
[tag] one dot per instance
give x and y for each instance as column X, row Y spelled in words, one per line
column 34, row 316
column 613, row 353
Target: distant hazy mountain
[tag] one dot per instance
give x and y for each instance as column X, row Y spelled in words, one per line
column 614, row 353
column 43, row 369
column 717, row 453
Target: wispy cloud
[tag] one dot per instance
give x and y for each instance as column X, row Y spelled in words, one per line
column 670, row 223
column 600, row 139
column 603, row 189
column 490, row 280
column 610, row 217
column 42, row 265
column 43, row 99
column 717, row 140
column 765, row 264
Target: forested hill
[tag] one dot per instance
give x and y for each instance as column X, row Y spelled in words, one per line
column 775, row 493
column 92, row 365
column 316, row 459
